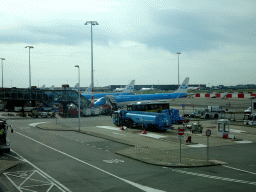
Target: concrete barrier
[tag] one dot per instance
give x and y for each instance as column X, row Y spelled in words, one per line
column 240, row 95
column 207, row 94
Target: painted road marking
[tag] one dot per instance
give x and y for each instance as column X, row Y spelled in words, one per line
column 114, row 161
column 238, row 169
column 119, row 134
column 212, row 177
column 197, row 145
column 236, row 131
column 30, row 181
column 54, row 183
column 155, row 136
column 243, row 141
column 139, row 186
column 109, row 127
column 35, row 124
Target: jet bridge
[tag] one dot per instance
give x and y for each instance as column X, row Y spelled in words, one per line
column 48, row 97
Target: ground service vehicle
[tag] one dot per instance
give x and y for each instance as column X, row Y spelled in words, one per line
column 196, row 128
column 250, row 119
column 73, row 112
column 4, row 141
column 212, row 112
column 149, row 120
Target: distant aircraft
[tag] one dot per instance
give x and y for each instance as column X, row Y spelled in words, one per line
column 147, row 89
column 75, row 87
column 52, row 87
column 128, row 88
column 88, row 90
column 122, row 100
column 119, row 89
column 194, row 88
column 43, row 87
column 127, row 91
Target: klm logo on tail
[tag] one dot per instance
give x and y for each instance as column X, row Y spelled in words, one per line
column 184, row 86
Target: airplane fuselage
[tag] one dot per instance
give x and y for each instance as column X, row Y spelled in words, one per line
column 97, row 96
column 128, row 98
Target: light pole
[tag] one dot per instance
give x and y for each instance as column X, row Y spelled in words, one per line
column 78, row 96
column 92, row 23
column 178, row 69
column 29, row 47
column 2, row 72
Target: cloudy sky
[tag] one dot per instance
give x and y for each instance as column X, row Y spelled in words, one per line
column 135, row 39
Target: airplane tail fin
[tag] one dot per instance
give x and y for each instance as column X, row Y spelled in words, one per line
column 129, row 88
column 43, row 87
column 75, row 87
column 88, row 90
column 52, row 87
column 183, row 87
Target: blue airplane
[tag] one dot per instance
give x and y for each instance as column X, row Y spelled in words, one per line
column 122, row 100
column 127, row 91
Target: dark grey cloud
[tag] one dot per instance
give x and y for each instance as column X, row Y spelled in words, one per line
column 172, row 30
column 63, row 34
column 191, row 31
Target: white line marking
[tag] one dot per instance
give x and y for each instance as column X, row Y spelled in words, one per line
column 50, row 188
column 197, row 145
column 26, row 179
column 155, row 136
column 236, row 131
column 35, row 124
column 109, row 127
column 142, row 187
column 45, row 175
column 238, row 169
column 212, row 177
column 243, row 141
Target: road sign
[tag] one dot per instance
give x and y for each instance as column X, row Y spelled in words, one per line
column 181, row 132
column 180, row 137
column 208, row 132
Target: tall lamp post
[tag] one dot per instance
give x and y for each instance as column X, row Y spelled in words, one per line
column 92, row 23
column 178, row 69
column 78, row 96
column 2, row 72
column 29, row 47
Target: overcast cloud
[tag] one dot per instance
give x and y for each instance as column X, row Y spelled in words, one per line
column 134, row 40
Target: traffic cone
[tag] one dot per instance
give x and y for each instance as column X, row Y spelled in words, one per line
column 121, row 127
column 144, row 132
